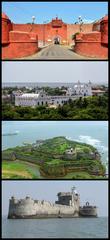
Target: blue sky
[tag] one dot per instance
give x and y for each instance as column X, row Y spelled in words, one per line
column 96, row 192
column 22, row 12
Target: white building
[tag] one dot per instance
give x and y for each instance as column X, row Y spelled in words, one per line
column 80, row 89
column 41, row 98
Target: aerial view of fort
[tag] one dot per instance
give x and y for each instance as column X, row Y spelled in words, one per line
column 67, row 206
column 57, row 157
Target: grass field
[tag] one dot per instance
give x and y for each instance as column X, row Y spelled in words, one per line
column 19, row 170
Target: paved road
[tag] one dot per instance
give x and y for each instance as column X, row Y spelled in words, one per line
column 55, row 52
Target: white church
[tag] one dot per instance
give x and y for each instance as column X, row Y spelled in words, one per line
column 40, row 98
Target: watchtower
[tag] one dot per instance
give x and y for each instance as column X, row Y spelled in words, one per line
column 68, row 198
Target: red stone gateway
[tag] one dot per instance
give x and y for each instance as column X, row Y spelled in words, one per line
column 20, row 40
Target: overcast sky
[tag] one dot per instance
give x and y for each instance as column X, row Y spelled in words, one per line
column 55, row 71
column 96, row 192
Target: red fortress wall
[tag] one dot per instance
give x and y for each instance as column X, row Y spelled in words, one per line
column 17, row 44
column 95, row 43
column 56, row 28
column 20, row 40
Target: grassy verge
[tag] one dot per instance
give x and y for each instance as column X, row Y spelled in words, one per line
column 17, row 170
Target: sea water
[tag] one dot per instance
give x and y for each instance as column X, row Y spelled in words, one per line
column 36, row 84
column 42, row 84
column 55, row 228
column 90, row 132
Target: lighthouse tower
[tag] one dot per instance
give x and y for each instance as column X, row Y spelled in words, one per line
column 75, row 197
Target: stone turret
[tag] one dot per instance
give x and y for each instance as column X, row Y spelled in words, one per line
column 69, row 198
column 12, row 203
column 104, row 30
column 94, row 43
column 17, row 44
column 6, row 28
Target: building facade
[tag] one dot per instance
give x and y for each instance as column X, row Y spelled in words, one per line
column 55, row 31
column 41, row 98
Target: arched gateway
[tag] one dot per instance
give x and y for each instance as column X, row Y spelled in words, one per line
column 57, row 40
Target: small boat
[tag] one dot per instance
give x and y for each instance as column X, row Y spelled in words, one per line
column 11, row 133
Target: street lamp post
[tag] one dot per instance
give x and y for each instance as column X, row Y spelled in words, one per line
column 33, row 19
column 80, row 23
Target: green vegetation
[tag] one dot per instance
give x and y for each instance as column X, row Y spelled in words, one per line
column 83, row 108
column 53, row 158
column 73, row 37
column 18, row 170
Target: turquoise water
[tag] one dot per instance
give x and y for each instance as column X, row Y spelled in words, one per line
column 91, row 132
column 55, row 228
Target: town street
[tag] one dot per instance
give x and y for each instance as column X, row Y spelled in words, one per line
column 56, row 52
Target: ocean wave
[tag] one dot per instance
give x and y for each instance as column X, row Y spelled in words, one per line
column 89, row 140
column 92, row 141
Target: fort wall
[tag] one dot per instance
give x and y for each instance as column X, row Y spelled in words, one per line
column 20, row 40
column 17, row 44
column 28, row 207
column 95, row 43
column 47, row 33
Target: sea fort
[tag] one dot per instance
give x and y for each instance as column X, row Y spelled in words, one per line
column 67, row 206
